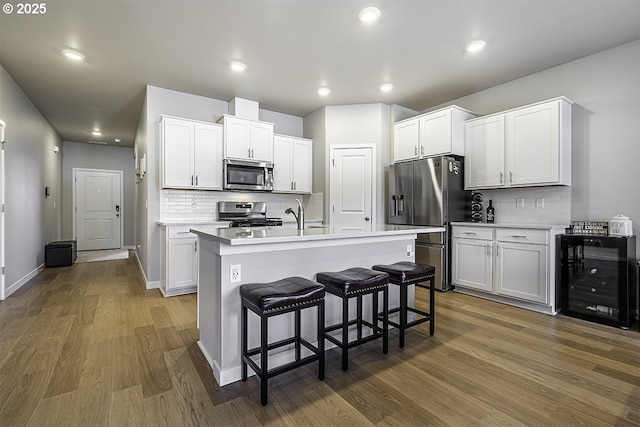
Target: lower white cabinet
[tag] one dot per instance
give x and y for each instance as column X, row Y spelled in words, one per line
column 509, row 264
column 179, row 261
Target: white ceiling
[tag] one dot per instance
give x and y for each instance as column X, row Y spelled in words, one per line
column 291, row 47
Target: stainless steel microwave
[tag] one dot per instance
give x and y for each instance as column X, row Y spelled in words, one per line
column 248, row 175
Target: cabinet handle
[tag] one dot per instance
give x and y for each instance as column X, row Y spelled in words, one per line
column 497, row 250
column 470, row 233
column 488, row 246
column 517, row 236
column 196, row 179
column 295, row 185
column 415, row 149
column 195, row 246
column 292, row 185
column 183, row 232
column 252, row 156
column 422, row 150
column 501, row 178
column 510, row 177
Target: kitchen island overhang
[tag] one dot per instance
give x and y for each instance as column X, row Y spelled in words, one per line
column 271, row 253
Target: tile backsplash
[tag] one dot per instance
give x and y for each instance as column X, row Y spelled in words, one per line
column 193, row 205
column 555, row 209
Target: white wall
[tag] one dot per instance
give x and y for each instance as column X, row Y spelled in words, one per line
column 350, row 125
column 31, row 220
column 149, row 209
column 80, row 155
column 606, row 126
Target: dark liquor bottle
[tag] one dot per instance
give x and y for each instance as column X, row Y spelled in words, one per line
column 490, row 212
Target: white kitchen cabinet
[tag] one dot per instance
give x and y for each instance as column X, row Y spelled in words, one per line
column 191, row 154
column 512, row 265
column 431, row 134
column 292, row 164
column 247, row 139
column 527, row 146
column 484, row 162
column 179, row 261
column 472, row 263
column 406, row 139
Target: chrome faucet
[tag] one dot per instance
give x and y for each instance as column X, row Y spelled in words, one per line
column 299, row 216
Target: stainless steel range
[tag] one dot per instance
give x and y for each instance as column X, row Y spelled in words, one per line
column 246, row 214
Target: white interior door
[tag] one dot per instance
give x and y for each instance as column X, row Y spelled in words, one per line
column 2, row 267
column 352, row 187
column 98, row 197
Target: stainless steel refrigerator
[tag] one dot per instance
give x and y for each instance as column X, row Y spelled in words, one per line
column 429, row 192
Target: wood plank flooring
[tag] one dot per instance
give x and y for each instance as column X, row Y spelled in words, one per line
column 88, row 345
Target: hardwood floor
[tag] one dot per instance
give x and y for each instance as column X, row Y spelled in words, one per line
column 87, row 345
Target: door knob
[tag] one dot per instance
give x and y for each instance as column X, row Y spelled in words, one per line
column 366, row 218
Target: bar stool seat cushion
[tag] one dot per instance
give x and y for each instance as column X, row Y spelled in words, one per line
column 352, row 280
column 281, row 294
column 406, row 272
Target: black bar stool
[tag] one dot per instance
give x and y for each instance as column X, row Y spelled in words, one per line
column 272, row 299
column 356, row 282
column 405, row 274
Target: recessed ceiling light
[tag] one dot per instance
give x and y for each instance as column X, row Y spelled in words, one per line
column 117, row 140
column 386, row 87
column 324, row 91
column 238, row 66
column 475, row 46
column 96, row 133
column 74, row 55
column 369, row 15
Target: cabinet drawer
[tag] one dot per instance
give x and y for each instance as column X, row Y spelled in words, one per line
column 472, row 232
column 180, row 232
column 522, row 235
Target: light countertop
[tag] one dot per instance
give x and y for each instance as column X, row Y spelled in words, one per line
column 500, row 225
column 261, row 235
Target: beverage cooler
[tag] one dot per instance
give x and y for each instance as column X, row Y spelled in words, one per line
column 597, row 277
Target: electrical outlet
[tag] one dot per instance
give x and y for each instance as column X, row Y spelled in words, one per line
column 539, row 202
column 409, row 250
column 234, row 273
column 520, row 202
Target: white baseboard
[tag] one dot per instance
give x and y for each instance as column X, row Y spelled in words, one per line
column 149, row 285
column 11, row 289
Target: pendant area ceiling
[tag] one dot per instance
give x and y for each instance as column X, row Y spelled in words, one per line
column 290, row 48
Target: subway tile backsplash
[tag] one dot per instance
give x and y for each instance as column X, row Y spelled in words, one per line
column 556, row 209
column 193, row 205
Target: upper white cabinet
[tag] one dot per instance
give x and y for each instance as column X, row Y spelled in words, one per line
column 527, row 146
column 247, row 139
column 191, row 154
column 431, row 134
column 292, row 164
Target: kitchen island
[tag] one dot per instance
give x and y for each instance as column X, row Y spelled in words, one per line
column 230, row 257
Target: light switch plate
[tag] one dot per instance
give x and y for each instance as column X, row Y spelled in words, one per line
column 520, row 202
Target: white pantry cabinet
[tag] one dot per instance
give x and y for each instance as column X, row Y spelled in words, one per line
column 506, row 263
column 292, row 164
column 191, row 154
column 527, row 146
column 179, row 260
column 247, row 139
column 431, row 134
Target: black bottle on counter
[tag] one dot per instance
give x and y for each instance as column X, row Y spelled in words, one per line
column 490, row 213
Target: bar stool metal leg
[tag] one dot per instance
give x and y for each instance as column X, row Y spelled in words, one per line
column 403, row 313
column 321, row 362
column 345, row 334
column 243, row 342
column 264, row 350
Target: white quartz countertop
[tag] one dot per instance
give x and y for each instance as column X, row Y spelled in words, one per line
column 262, row 235
column 500, row 225
column 170, row 223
